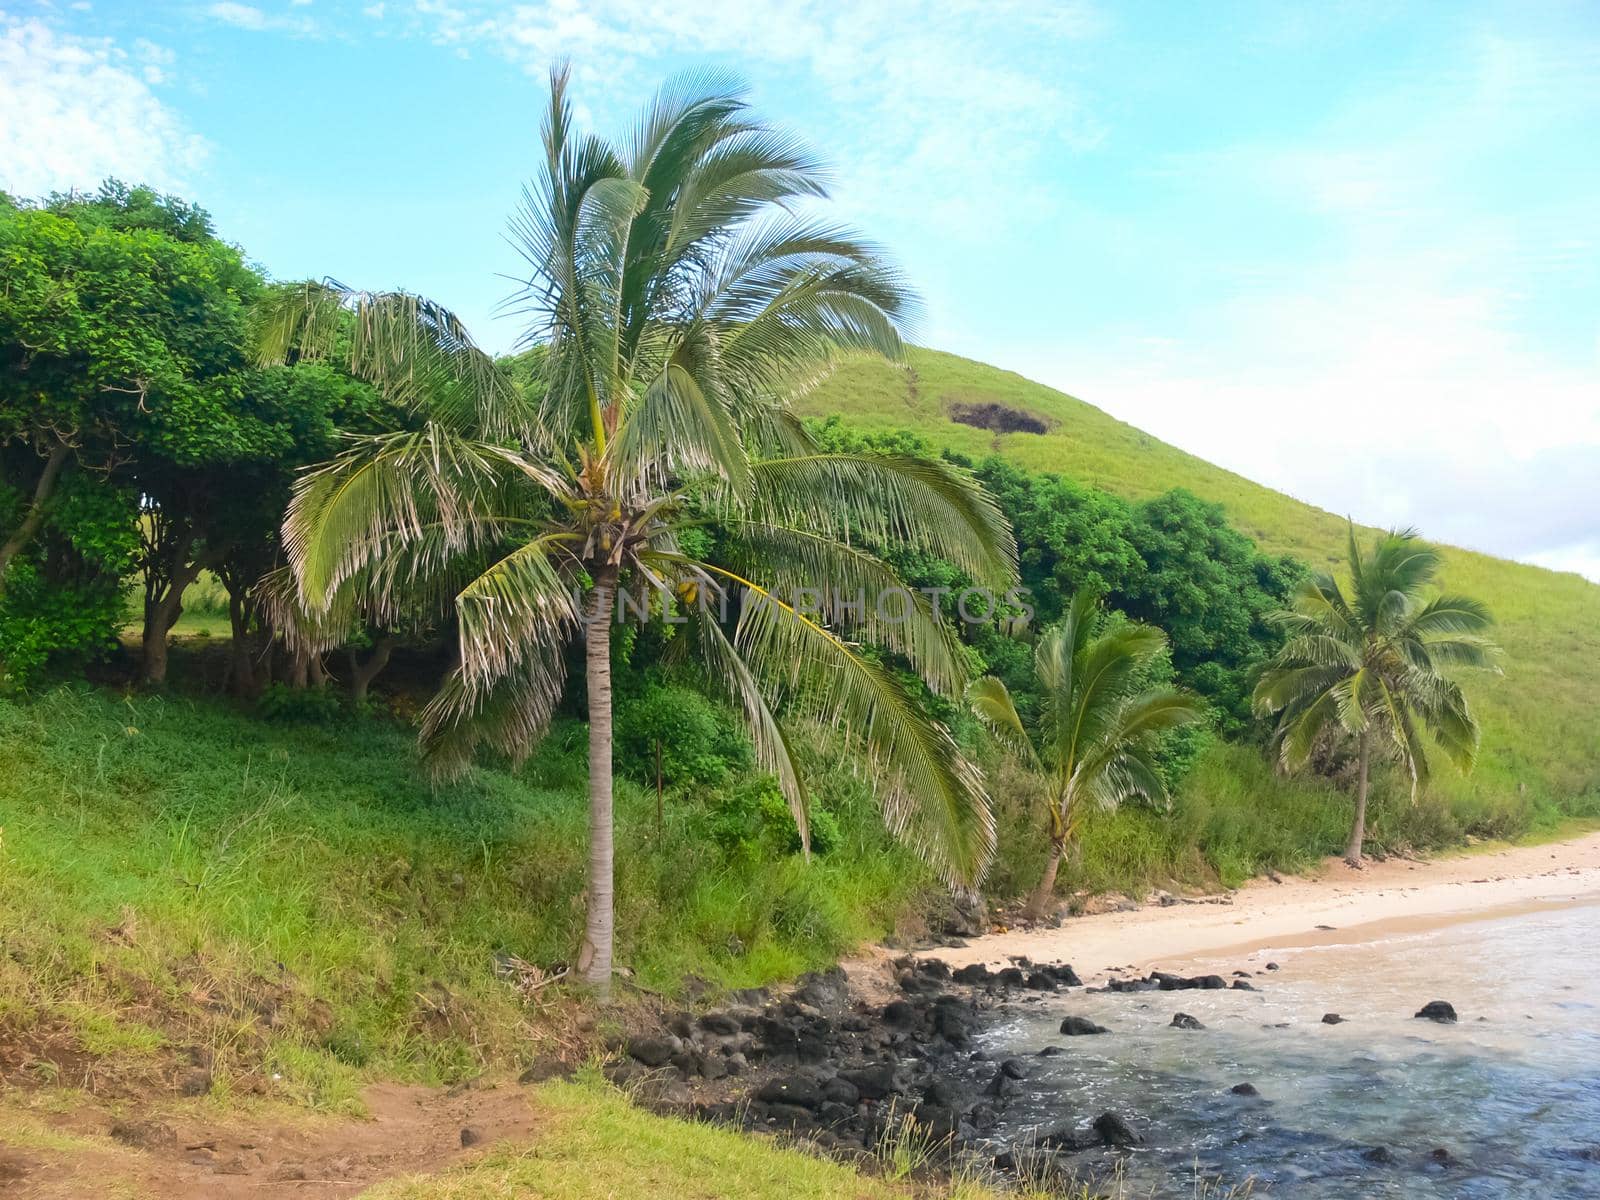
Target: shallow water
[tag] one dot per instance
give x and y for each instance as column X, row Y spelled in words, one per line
column 1512, row 1091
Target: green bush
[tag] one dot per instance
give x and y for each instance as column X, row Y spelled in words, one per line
column 698, row 741
column 312, row 705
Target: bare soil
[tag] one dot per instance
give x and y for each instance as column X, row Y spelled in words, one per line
column 188, row 1152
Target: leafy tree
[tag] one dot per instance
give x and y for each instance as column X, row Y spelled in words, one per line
column 1098, row 721
column 1371, row 665
column 1205, row 583
column 124, row 331
column 681, row 303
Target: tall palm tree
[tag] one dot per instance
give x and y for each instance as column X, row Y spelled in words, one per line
column 1097, row 723
column 1370, row 665
column 683, row 304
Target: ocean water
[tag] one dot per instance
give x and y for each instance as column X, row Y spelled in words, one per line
column 1510, row 1094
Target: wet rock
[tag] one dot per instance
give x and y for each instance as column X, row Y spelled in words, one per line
column 1014, row 1068
column 1040, row 981
column 1332, row 1019
column 652, row 1051
column 972, row 973
column 1010, row 977
column 943, row 1092
column 1133, row 985
column 1272, row 966
column 839, row 1090
column 1052, row 1051
column 1063, row 974
column 790, row 1115
column 1241, row 985
column 1067, row 1139
column 1209, row 983
column 899, row 1013
column 1185, row 1021
column 1075, row 1026
column 1437, row 1010
column 1380, row 1155
column 1440, row 1157
column 799, row 1090
column 1244, row 1089
column 879, row 1081
column 470, row 1136
column 1114, row 1131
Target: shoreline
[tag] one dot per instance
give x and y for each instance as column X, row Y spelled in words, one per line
column 1333, row 905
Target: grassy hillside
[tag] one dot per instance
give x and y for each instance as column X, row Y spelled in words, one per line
column 1541, row 719
column 293, row 909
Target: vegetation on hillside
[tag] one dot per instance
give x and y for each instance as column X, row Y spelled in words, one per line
column 679, row 306
column 1537, row 719
column 1099, row 722
column 1372, row 666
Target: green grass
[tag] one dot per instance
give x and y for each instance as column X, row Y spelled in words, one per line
column 1540, row 719
column 593, row 1144
column 298, row 902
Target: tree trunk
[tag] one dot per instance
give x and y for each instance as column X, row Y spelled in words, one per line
column 595, row 960
column 363, row 673
column 30, row 523
column 1047, row 885
column 241, row 667
column 161, row 615
column 1358, row 832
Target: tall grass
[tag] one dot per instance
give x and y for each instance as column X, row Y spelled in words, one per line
column 298, row 901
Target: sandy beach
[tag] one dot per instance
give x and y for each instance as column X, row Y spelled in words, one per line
column 1334, row 905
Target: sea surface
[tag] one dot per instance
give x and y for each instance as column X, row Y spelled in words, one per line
column 1510, row 1094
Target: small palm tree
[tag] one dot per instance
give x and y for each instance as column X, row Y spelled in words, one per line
column 1097, row 722
column 682, row 306
column 1370, row 665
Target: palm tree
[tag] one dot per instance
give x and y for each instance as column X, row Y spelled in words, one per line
column 682, row 304
column 1370, row 665
column 1097, row 722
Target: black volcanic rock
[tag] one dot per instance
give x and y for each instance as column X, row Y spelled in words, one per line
column 1075, row 1026
column 1437, row 1010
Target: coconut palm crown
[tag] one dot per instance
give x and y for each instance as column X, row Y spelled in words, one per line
column 682, row 302
column 1370, row 665
column 1097, row 725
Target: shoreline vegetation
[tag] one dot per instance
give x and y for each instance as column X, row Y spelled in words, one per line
column 378, row 805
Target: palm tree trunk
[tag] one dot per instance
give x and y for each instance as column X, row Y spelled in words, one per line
column 595, row 960
column 1358, row 832
column 1047, row 884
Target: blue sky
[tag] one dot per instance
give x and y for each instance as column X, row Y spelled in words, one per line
column 1351, row 250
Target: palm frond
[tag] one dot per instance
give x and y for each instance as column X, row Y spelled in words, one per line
column 931, row 795
column 892, row 500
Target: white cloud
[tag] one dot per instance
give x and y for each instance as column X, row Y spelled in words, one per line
column 913, row 91
column 74, row 110
column 247, row 16
column 243, row 15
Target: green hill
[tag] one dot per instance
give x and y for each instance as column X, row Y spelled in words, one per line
column 1541, row 719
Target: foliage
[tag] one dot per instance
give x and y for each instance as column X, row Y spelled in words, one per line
column 64, row 601
column 315, row 861
column 315, row 705
column 1371, row 664
column 1538, row 721
column 699, row 742
column 1098, row 720
column 682, row 301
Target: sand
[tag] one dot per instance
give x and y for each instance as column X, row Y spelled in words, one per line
column 1334, row 905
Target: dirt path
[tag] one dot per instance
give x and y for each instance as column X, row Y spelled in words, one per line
column 1334, row 904
column 186, row 1154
